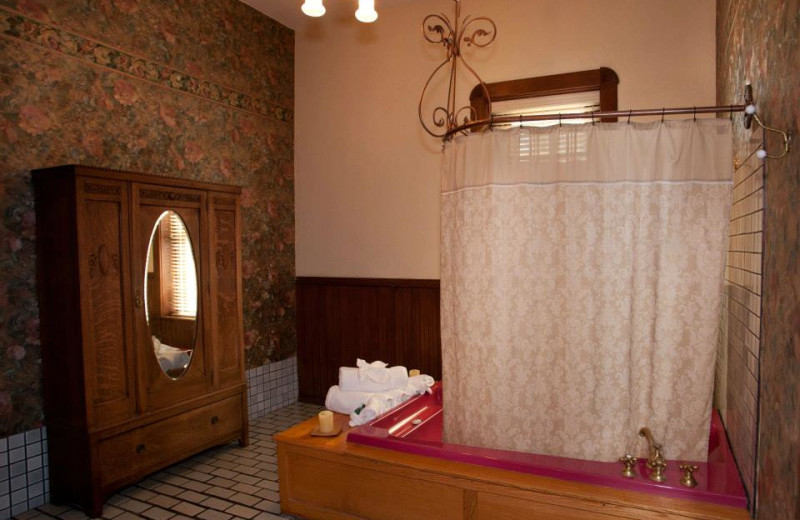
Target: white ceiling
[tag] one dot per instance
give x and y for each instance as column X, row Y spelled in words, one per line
column 288, row 12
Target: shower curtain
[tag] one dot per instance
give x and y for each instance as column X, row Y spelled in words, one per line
column 581, row 282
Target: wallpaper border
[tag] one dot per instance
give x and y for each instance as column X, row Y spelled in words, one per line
column 53, row 38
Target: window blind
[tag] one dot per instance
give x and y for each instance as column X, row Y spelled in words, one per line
column 183, row 298
column 575, row 103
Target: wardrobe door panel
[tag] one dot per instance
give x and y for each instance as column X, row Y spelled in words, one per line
column 106, row 300
column 226, row 290
column 158, row 389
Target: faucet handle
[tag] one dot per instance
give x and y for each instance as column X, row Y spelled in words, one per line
column 688, row 479
column 628, row 461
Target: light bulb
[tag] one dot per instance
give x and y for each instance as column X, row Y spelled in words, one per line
column 313, row 8
column 366, row 11
column 761, row 154
column 750, row 109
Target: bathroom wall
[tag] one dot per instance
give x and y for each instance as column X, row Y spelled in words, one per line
column 736, row 382
column 367, row 175
column 758, row 40
column 198, row 90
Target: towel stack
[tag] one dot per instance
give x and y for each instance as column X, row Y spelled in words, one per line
column 171, row 358
column 370, row 389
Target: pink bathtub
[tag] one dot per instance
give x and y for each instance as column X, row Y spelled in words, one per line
column 416, row 427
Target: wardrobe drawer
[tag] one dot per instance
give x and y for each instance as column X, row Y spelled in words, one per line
column 226, row 416
column 169, row 440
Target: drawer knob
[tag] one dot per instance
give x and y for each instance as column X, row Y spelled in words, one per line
column 214, row 420
column 139, row 448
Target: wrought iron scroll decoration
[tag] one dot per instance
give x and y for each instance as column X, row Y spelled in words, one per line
column 477, row 31
column 444, row 120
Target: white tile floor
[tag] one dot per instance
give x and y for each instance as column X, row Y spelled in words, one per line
column 224, row 483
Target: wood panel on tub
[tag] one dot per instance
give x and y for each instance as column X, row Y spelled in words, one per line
column 328, row 478
column 342, row 319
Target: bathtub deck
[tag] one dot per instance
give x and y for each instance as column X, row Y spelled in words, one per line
column 327, row 478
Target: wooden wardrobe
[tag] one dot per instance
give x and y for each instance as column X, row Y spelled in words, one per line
column 115, row 409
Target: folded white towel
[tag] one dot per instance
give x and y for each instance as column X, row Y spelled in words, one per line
column 373, row 371
column 372, row 379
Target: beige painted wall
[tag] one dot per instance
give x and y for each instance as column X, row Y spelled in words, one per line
column 367, row 176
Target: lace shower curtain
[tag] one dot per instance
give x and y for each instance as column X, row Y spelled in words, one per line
column 581, row 284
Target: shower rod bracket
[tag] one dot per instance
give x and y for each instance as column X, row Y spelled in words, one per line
column 454, row 36
column 751, row 114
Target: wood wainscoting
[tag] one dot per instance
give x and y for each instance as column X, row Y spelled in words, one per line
column 342, row 319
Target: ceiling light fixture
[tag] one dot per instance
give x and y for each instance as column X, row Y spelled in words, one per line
column 366, row 10
column 313, row 8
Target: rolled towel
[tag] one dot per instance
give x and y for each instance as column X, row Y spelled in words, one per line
column 344, row 402
column 373, row 380
column 420, row 384
column 377, row 404
column 341, row 401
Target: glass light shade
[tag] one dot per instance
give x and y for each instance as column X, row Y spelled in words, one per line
column 366, row 11
column 313, row 8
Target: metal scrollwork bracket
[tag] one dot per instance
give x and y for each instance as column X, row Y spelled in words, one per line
column 473, row 31
column 751, row 115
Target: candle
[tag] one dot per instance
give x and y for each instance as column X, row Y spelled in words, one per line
column 325, row 421
column 413, row 372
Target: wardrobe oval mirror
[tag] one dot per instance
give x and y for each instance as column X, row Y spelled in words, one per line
column 171, row 294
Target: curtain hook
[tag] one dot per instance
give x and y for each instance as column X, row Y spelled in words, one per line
column 695, row 114
column 592, row 117
column 559, row 119
column 663, row 111
column 520, row 120
column 491, row 122
column 629, row 116
column 731, row 112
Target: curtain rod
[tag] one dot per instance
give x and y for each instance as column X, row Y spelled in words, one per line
column 597, row 115
column 480, row 32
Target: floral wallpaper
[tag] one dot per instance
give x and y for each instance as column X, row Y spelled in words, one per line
column 197, row 89
column 759, row 40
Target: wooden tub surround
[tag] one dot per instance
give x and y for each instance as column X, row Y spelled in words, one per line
column 327, row 478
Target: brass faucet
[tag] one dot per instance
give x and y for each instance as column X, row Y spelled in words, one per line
column 656, row 461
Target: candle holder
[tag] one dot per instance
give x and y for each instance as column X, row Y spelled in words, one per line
column 327, row 426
